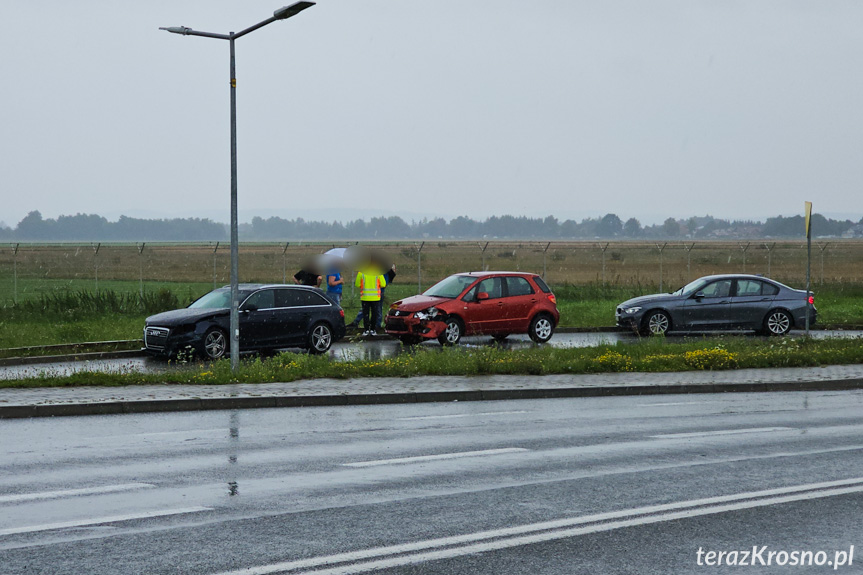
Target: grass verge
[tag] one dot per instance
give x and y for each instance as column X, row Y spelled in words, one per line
column 648, row 355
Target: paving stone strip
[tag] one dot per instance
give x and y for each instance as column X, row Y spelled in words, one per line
column 35, row 402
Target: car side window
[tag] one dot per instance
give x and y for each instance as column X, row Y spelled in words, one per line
column 768, row 289
column 748, row 287
column 263, row 299
column 717, row 289
column 518, row 286
column 492, row 286
column 298, row 298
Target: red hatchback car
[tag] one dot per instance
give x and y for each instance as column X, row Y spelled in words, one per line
column 490, row 303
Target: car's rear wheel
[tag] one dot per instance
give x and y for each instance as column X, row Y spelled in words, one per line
column 777, row 322
column 541, row 328
column 320, row 338
column 452, row 333
column 215, row 344
column 656, row 323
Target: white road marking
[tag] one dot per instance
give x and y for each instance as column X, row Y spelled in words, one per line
column 673, row 403
column 100, row 520
column 460, row 415
column 181, row 432
column 722, row 432
column 422, row 458
column 17, row 498
column 461, row 545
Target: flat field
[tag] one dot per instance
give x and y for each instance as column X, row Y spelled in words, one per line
column 61, row 293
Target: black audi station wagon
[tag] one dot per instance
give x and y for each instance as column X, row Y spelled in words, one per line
column 271, row 317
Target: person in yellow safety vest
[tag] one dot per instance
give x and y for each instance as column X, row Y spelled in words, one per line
column 370, row 282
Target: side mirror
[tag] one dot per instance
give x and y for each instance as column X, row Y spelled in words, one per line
column 250, row 307
column 482, row 296
column 699, row 295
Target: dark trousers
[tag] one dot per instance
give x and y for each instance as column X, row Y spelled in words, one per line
column 371, row 317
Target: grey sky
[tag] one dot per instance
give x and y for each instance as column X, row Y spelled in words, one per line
column 738, row 109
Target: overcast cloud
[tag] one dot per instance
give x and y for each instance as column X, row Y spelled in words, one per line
column 737, row 109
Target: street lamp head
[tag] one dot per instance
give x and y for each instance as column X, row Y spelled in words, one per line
column 292, row 10
column 178, row 30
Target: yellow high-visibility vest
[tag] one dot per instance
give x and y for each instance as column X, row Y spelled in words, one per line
column 370, row 285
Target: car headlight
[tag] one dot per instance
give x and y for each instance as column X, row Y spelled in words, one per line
column 631, row 310
column 429, row 313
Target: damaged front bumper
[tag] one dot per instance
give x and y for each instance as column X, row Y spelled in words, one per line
column 402, row 324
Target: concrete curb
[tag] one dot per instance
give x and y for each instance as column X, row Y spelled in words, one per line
column 35, row 359
column 198, row 404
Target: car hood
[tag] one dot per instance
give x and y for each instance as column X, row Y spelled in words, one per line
column 183, row 316
column 648, row 299
column 419, row 302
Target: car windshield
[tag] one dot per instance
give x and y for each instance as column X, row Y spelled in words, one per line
column 691, row 287
column 450, row 287
column 216, row 299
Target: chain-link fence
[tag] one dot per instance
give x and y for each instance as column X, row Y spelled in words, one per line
column 32, row 268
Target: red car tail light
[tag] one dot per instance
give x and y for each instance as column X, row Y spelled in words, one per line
column 552, row 299
column 342, row 313
column 812, row 300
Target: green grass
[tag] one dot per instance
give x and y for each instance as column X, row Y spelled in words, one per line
column 648, row 355
column 61, row 311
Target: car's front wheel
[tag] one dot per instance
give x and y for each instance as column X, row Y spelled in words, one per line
column 541, row 328
column 777, row 322
column 320, row 338
column 215, row 343
column 656, row 323
column 451, row 333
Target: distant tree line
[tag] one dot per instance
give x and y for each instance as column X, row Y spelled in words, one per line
column 90, row 227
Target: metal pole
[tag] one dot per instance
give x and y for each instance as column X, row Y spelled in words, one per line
column 15, row 273
column 141, row 269
column 420, row 268
column 603, row 248
column 689, row 261
column 215, row 249
column 96, row 264
column 544, row 252
column 661, row 249
column 235, row 288
column 808, row 267
column 284, row 263
column 822, row 248
column 744, row 248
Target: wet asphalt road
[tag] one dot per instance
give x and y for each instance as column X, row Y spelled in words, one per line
column 370, row 349
column 599, row 485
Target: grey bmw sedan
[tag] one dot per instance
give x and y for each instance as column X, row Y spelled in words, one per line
column 719, row 302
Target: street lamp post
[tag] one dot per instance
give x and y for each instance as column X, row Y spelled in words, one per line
column 280, row 14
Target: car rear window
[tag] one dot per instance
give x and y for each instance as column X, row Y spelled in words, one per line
column 518, row 286
column 542, row 285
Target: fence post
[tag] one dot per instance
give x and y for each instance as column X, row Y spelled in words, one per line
column 661, row 249
column 822, row 248
column 215, row 249
column 420, row 268
column 285, row 263
column 15, row 273
column 96, row 264
column 744, row 248
column 689, row 260
column 603, row 248
column 483, row 248
column 544, row 252
column 769, row 255
column 141, row 268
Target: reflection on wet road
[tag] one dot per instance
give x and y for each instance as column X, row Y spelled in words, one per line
column 347, row 350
